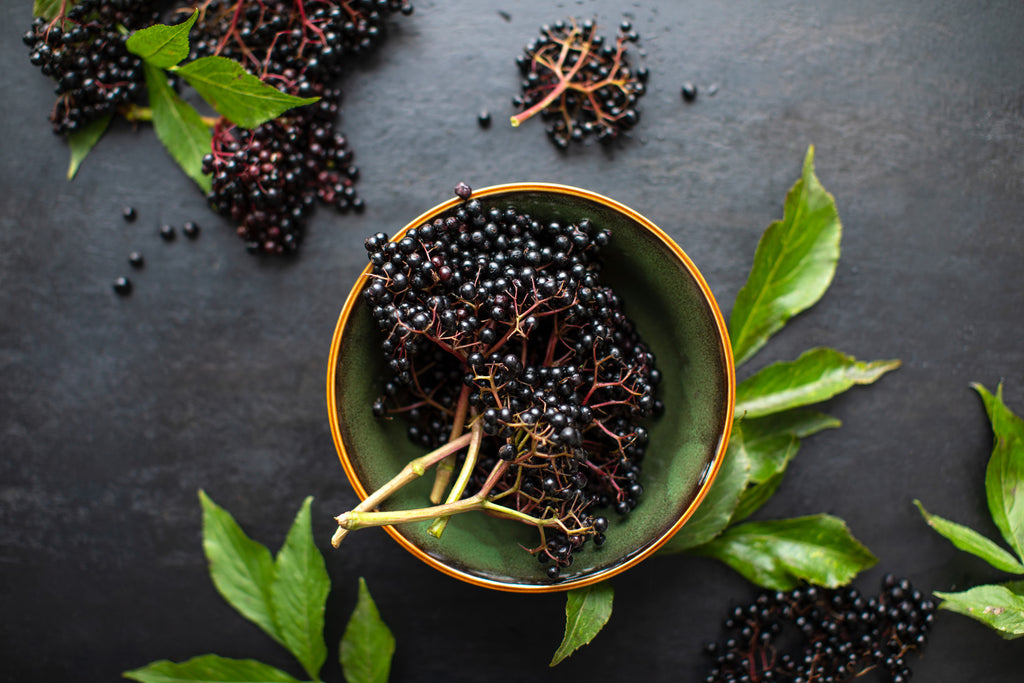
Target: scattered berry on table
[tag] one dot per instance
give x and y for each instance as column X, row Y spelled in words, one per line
column 123, row 286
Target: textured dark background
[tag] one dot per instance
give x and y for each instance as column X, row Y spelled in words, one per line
column 115, row 411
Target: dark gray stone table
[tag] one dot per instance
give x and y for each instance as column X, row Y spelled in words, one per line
column 114, row 411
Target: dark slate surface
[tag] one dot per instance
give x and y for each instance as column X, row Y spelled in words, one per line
column 115, row 411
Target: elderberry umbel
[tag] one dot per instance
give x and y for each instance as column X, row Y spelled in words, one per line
column 816, row 635
column 310, row 37
column 83, row 50
column 268, row 179
column 580, row 85
column 496, row 323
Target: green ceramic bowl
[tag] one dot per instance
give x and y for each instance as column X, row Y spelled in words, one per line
column 676, row 314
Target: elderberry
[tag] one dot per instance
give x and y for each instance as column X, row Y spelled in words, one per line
column 582, row 86
column 83, row 50
column 818, row 634
column 527, row 337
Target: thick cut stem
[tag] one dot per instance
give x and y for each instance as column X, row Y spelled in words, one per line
column 413, row 470
column 477, row 434
column 443, row 475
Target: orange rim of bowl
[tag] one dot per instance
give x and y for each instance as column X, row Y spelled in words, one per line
column 709, row 477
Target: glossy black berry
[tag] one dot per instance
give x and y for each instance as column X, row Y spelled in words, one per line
column 483, row 119
column 502, row 315
column 168, row 233
column 123, row 286
column 129, row 214
column 136, row 260
column 190, row 229
column 688, row 91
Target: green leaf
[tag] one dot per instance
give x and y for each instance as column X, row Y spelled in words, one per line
column 793, row 265
column 586, row 612
column 367, row 646
column 971, row 541
column 299, row 594
column 717, row 508
column 50, row 9
column 179, row 127
column 999, row 607
column 817, row 375
column 755, row 496
column 162, row 46
column 1004, row 476
column 798, row 422
column 769, row 458
column 779, row 554
column 239, row 96
column 82, row 141
column 241, row 569
column 209, row 669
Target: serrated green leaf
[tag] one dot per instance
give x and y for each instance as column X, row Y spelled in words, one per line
column 769, row 456
column 179, row 127
column 240, row 97
column 299, row 594
column 793, row 265
column 50, row 9
column 367, row 646
column 83, row 140
column 717, row 508
column 209, row 669
column 798, row 422
column 1004, row 475
column 970, row 541
column 160, row 45
column 587, row 610
column 242, row 570
column 817, row 375
column 779, row 554
column 999, row 607
column 755, row 496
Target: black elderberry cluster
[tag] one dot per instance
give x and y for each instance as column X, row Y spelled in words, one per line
column 84, row 52
column 269, row 179
column 816, row 635
column 494, row 316
column 311, row 38
column 597, row 89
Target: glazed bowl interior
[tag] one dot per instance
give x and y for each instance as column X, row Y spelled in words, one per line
column 678, row 318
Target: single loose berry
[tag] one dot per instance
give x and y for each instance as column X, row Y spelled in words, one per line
column 129, row 214
column 484, row 119
column 136, row 260
column 167, row 233
column 689, row 92
column 190, row 229
column 123, row 286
